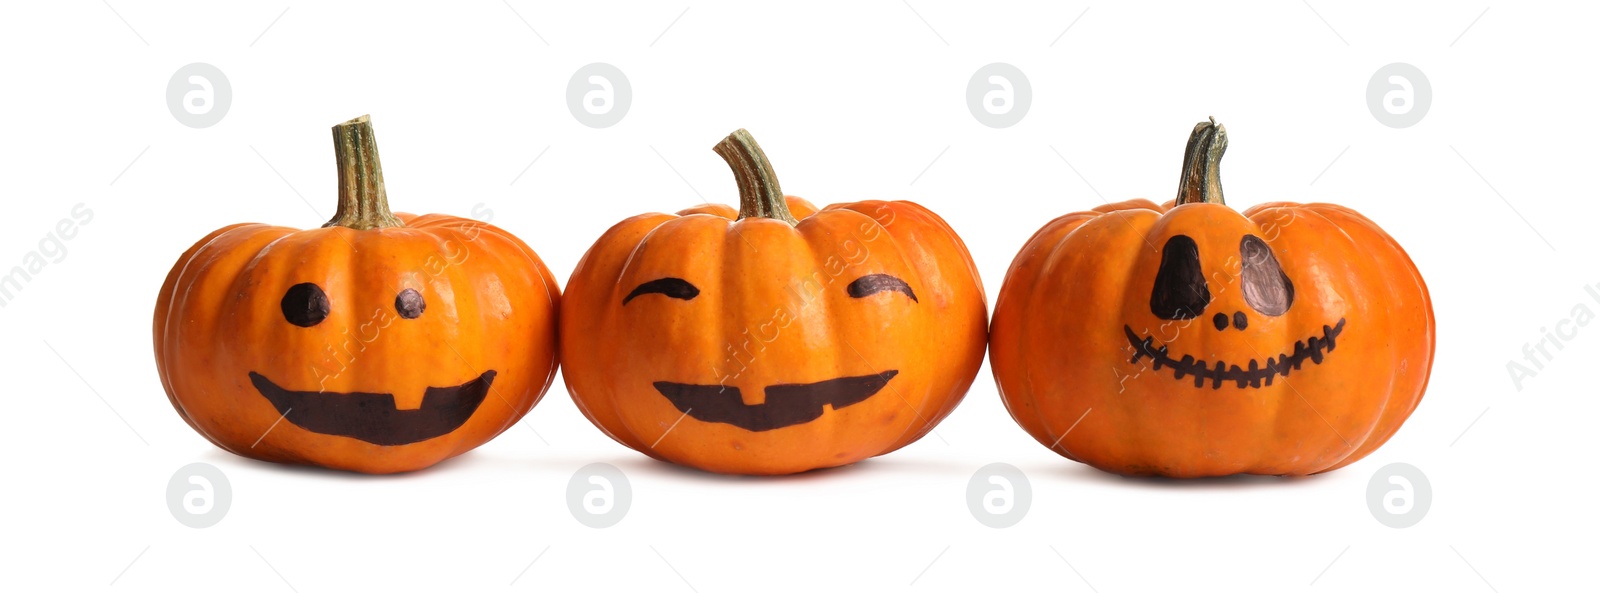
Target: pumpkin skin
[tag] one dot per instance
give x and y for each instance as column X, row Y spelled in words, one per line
column 771, row 330
column 1322, row 325
column 384, row 381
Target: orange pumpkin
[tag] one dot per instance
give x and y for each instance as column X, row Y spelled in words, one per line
column 781, row 340
column 378, row 343
column 1191, row 340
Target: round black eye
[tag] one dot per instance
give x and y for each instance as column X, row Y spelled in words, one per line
column 305, row 304
column 1239, row 320
column 410, row 303
column 1220, row 320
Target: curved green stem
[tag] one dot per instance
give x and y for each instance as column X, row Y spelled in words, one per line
column 759, row 194
column 363, row 203
column 1202, row 164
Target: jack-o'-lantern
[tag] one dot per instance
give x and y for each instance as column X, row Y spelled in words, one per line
column 1191, row 340
column 777, row 339
column 378, row 343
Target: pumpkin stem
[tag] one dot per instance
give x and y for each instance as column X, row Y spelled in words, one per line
column 759, row 194
column 1202, row 162
column 363, row 203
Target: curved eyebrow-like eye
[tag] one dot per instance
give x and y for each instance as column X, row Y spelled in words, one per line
column 872, row 284
column 677, row 288
column 1266, row 288
column 1180, row 290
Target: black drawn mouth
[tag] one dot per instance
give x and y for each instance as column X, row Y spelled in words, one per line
column 1314, row 349
column 372, row 417
column 786, row 405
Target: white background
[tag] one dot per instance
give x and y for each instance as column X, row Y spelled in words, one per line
column 851, row 101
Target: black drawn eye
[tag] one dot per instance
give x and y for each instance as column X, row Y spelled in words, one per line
column 1180, row 290
column 872, row 284
column 677, row 288
column 305, row 304
column 1266, row 288
column 409, row 303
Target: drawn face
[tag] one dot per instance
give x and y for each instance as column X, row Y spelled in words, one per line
column 784, row 405
column 1181, row 293
column 370, row 417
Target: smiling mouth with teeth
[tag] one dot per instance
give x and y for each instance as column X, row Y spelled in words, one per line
column 373, row 417
column 786, row 405
column 1314, row 349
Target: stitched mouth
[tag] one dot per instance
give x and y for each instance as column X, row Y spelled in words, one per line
column 1315, row 349
column 372, row 417
column 786, row 405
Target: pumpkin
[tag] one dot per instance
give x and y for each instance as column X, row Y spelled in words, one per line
column 1191, row 340
column 378, row 343
column 777, row 338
